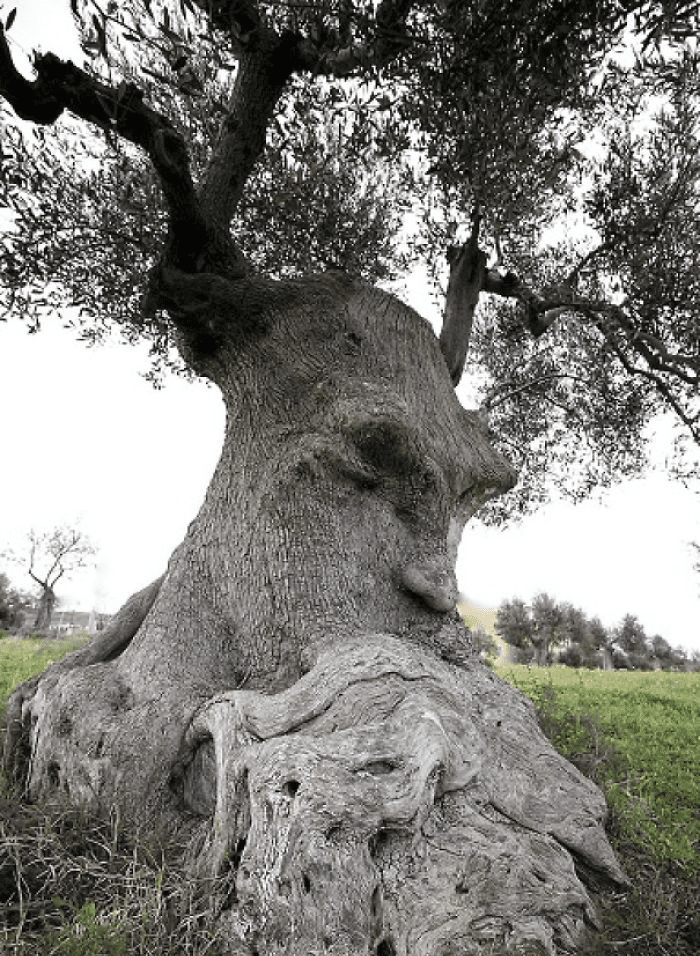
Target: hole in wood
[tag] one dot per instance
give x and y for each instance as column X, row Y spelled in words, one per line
column 53, row 772
column 379, row 767
column 291, row 788
column 377, row 842
column 237, row 853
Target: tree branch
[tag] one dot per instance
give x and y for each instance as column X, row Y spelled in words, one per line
column 467, row 271
column 541, row 313
column 266, row 62
column 60, row 571
column 34, row 101
column 262, row 74
column 506, row 390
column 61, row 86
column 661, row 387
column 239, row 18
column 586, row 260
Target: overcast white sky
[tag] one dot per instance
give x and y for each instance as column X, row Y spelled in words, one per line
column 86, row 440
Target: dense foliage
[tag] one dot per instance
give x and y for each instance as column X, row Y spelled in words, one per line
column 546, row 631
column 569, row 131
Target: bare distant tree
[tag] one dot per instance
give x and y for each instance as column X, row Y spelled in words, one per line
column 50, row 556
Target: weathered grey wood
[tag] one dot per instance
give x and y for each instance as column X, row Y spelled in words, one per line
column 299, row 701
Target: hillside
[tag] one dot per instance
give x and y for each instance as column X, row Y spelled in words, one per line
column 476, row 615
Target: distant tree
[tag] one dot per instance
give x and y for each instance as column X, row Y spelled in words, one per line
column 49, row 557
column 547, row 633
column 484, row 644
column 574, row 625
column 572, row 656
column 13, row 605
column 667, row 657
column 514, row 625
column 534, row 630
column 601, row 640
column 679, row 659
column 585, row 638
column 573, row 631
column 631, row 647
column 661, row 651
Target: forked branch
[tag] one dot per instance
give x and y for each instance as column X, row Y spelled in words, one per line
column 120, row 111
column 625, row 335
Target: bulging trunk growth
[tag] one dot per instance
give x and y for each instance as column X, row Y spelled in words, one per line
column 297, row 697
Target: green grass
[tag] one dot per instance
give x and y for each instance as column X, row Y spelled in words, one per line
column 74, row 885
column 77, row 886
column 645, row 727
column 637, row 734
column 23, row 657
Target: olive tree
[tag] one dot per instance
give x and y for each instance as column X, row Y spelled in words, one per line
column 296, row 698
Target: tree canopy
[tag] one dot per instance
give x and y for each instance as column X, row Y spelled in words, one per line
column 563, row 137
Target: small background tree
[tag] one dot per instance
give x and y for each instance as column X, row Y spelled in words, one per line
column 14, row 605
column 49, row 557
column 514, row 625
column 631, row 646
column 548, row 618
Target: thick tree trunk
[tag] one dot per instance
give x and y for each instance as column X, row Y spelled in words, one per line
column 44, row 611
column 297, row 696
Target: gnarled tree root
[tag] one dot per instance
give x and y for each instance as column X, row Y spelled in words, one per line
column 106, row 646
column 390, row 803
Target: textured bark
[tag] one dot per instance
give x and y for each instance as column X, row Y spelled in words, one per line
column 297, row 697
column 467, row 272
column 44, row 613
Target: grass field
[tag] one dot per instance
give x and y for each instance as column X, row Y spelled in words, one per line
column 23, row 657
column 636, row 733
